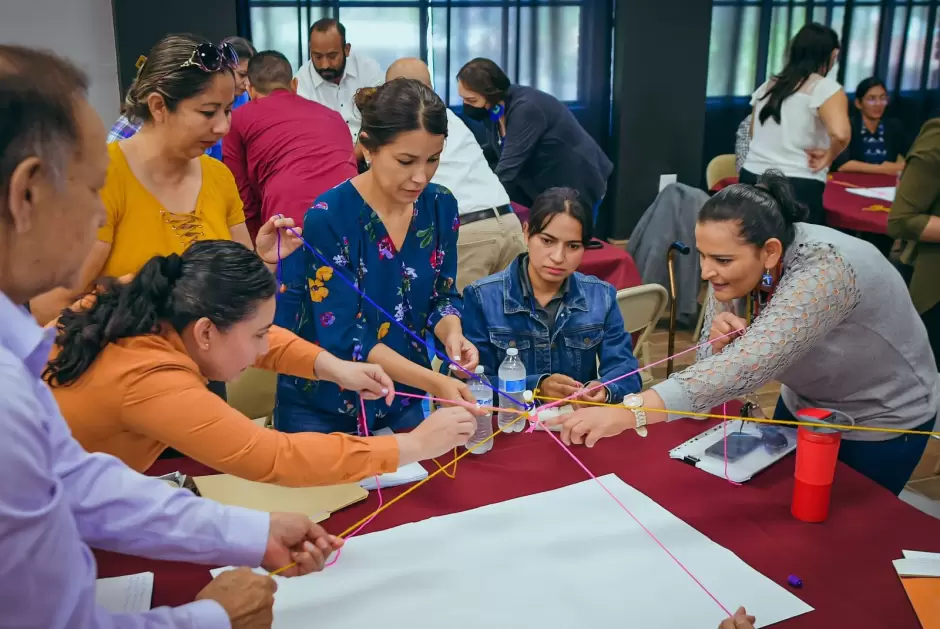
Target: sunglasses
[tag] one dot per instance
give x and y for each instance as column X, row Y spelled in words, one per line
column 211, row 58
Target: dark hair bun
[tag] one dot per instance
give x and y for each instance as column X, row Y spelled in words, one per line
column 775, row 183
column 364, row 96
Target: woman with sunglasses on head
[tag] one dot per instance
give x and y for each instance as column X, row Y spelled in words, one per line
column 819, row 311
column 130, row 367
column 162, row 192
column 878, row 143
column 541, row 301
column 800, row 123
column 395, row 236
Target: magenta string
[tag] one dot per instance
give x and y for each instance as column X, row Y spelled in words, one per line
column 584, row 467
column 378, row 488
column 724, row 428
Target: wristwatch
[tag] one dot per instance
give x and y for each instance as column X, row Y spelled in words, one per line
column 635, row 403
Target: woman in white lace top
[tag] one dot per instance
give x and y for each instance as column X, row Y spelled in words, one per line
column 821, row 312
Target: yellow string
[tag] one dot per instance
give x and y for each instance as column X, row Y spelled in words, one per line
column 522, row 415
column 782, row 422
column 451, row 475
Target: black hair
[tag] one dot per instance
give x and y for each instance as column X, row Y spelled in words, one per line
column 269, row 70
column 866, row 85
column 325, row 25
column 220, row 280
column 396, row 107
column 163, row 73
column 38, row 95
column 764, row 211
column 553, row 202
column 810, row 51
column 484, row 77
column 243, row 48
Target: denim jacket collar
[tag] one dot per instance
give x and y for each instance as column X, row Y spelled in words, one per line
column 514, row 301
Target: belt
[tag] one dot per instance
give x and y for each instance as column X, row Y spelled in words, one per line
column 480, row 215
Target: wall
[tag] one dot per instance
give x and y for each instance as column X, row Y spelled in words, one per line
column 139, row 24
column 81, row 30
column 660, row 71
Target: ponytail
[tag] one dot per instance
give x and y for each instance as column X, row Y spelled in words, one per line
column 764, row 211
column 220, row 280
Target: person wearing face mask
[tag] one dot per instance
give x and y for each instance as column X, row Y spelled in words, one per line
column 539, row 142
column 800, row 122
column 130, row 366
column 162, row 192
column 540, row 301
column 394, row 235
column 878, row 144
column 334, row 73
column 815, row 309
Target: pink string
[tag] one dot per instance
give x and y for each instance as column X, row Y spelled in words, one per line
column 724, row 428
column 635, row 519
column 534, row 425
column 378, row 489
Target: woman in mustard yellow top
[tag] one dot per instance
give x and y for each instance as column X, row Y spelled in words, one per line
column 130, row 368
column 162, row 192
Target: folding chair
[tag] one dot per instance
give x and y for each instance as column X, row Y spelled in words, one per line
column 253, row 395
column 641, row 308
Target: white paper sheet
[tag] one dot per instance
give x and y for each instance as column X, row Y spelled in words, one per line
column 411, row 473
column 130, row 594
column 917, row 567
column 884, row 194
column 919, row 554
column 556, row 560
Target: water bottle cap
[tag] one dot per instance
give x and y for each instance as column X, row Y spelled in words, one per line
column 478, row 370
column 527, row 396
column 512, row 351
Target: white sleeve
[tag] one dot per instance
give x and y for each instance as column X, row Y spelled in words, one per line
column 824, row 89
column 759, row 93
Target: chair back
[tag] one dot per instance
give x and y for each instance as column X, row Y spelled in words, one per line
column 641, row 308
column 720, row 168
column 253, row 393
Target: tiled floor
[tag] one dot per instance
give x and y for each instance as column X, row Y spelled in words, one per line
column 766, row 397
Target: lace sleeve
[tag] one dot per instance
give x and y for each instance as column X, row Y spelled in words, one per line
column 712, row 307
column 816, row 293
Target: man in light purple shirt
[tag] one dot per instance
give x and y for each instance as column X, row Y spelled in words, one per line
column 56, row 500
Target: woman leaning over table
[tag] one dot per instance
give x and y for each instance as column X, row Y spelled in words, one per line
column 815, row 309
column 130, row 367
column 394, row 235
column 162, row 192
column 915, row 218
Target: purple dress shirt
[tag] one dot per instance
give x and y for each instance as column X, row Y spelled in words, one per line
column 56, row 501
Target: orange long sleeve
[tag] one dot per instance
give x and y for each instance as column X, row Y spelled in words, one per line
column 289, row 354
column 170, row 404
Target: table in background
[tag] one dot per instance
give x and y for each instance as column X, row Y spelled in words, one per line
column 845, row 563
column 608, row 263
column 844, row 210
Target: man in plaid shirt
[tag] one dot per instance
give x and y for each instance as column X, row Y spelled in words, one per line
column 122, row 129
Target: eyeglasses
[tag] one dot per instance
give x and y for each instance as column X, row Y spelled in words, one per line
column 875, row 100
column 211, row 58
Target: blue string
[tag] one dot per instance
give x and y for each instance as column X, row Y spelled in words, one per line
column 430, row 346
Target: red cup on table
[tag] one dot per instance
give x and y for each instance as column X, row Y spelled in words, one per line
column 817, row 450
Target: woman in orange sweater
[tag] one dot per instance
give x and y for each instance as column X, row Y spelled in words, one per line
column 130, row 371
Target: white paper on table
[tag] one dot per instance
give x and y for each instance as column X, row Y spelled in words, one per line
column 411, row 473
column 884, row 194
column 919, row 554
column 565, row 558
column 917, row 567
column 129, row 594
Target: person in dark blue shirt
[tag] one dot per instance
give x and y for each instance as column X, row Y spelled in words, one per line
column 566, row 326
column 878, row 143
column 539, row 142
column 394, row 235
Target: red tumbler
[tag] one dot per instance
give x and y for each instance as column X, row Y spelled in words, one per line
column 817, row 450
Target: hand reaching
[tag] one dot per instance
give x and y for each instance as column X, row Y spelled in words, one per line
column 266, row 240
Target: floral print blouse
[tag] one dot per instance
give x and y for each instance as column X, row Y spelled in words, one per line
column 415, row 285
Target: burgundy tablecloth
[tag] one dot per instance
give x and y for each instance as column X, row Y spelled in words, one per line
column 845, row 210
column 845, row 563
column 609, row 263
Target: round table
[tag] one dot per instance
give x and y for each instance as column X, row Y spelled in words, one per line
column 845, row 563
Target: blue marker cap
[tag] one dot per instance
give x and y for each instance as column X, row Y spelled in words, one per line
column 795, row 581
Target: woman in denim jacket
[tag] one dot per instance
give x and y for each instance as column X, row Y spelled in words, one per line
column 566, row 326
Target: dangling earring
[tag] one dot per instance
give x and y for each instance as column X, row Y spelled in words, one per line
column 766, row 280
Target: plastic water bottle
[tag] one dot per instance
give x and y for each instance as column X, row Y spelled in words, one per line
column 512, row 381
column 483, row 394
column 426, row 405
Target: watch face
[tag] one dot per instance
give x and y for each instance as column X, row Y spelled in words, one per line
column 633, row 401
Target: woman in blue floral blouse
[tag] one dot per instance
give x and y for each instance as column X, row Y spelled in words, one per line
column 395, row 236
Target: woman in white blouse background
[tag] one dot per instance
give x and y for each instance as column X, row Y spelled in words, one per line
column 819, row 311
column 800, row 122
